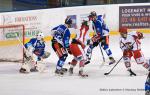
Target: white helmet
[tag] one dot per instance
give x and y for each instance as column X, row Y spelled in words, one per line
column 40, row 36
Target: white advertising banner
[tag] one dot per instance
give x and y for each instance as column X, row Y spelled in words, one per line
column 44, row 20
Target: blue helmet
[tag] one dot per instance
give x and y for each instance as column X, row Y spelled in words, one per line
column 68, row 21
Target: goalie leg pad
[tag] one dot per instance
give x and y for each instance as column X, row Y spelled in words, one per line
column 41, row 66
column 25, row 68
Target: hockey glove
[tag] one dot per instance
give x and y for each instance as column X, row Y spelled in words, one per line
column 95, row 38
column 95, row 44
column 129, row 46
column 140, row 35
column 29, row 51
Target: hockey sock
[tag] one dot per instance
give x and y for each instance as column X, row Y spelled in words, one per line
column 60, row 63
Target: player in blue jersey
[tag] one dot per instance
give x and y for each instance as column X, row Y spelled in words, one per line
column 60, row 44
column 34, row 54
column 101, row 36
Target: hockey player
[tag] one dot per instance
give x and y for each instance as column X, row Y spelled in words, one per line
column 83, row 30
column 131, row 46
column 34, row 54
column 60, row 44
column 77, row 50
column 147, row 85
column 101, row 36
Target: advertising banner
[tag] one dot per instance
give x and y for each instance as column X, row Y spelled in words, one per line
column 134, row 16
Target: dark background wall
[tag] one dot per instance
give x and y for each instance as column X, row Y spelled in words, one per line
column 19, row 5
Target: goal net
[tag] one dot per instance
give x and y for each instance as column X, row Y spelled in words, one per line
column 11, row 43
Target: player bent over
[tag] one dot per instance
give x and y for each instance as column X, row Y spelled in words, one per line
column 60, row 44
column 77, row 50
column 34, row 55
column 131, row 47
column 102, row 31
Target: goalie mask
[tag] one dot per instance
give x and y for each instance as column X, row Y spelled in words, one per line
column 40, row 36
column 123, row 32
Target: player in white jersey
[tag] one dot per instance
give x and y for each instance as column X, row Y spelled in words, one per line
column 131, row 47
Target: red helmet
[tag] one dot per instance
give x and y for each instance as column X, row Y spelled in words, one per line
column 123, row 30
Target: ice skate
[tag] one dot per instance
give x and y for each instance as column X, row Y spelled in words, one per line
column 64, row 70
column 131, row 73
column 112, row 60
column 34, row 69
column 22, row 70
column 59, row 72
column 87, row 62
column 81, row 74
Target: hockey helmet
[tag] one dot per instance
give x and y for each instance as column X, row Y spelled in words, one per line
column 92, row 16
column 93, row 13
column 123, row 32
column 40, row 36
column 68, row 21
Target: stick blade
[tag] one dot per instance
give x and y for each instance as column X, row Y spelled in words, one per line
column 106, row 73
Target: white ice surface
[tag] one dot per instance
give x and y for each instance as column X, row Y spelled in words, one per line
column 47, row 83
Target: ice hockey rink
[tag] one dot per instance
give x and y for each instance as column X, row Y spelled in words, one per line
column 47, row 83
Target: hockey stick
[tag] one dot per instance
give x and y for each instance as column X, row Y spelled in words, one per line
column 102, row 64
column 21, row 42
column 116, row 63
column 114, row 66
column 102, row 53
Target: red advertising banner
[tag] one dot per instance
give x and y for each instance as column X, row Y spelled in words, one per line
column 134, row 17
